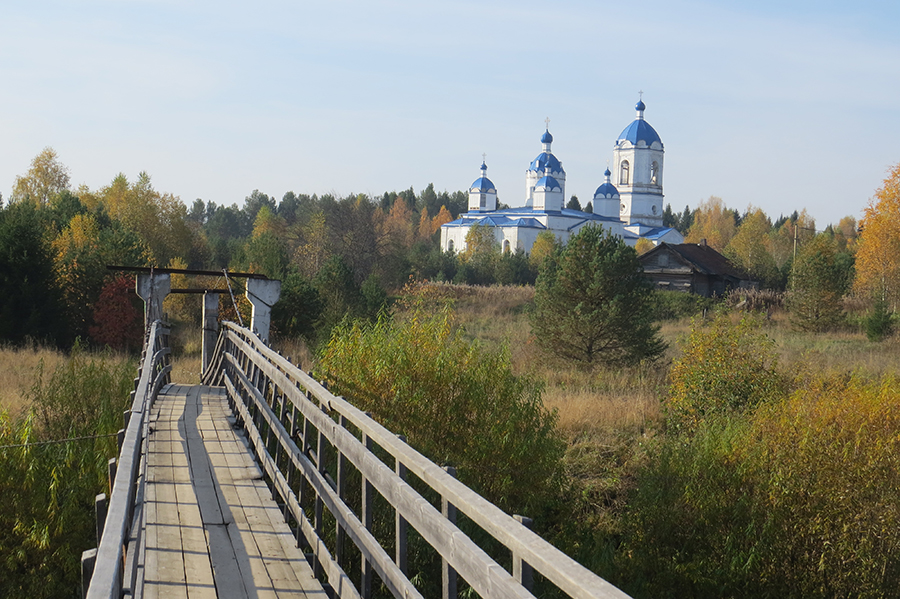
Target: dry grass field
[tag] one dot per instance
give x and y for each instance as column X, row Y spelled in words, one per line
column 19, row 370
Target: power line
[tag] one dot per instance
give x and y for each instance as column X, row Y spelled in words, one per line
column 56, row 441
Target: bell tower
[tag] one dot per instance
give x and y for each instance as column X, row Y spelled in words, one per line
column 638, row 172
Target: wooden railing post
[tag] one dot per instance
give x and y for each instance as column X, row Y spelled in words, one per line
column 368, row 500
column 400, row 535
column 100, row 507
column 521, row 570
column 111, row 469
column 448, row 574
column 341, row 484
column 88, row 561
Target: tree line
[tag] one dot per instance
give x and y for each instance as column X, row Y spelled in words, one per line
column 339, row 254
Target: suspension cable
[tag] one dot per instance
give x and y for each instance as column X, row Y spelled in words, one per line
column 230, row 292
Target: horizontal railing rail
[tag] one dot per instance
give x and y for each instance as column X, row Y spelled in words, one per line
column 109, row 577
column 308, row 442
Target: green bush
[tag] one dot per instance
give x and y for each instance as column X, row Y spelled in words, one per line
column 878, row 323
column 674, row 305
column 457, row 402
column 725, row 367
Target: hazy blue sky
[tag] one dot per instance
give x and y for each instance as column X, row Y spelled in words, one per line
column 783, row 105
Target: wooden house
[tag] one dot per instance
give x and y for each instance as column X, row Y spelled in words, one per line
column 694, row 268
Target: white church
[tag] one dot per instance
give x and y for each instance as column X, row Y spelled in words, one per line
column 631, row 208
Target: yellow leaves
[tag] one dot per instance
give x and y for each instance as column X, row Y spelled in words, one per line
column 643, row 246
column 443, row 217
column 46, row 178
column 268, row 222
column 878, row 256
column 712, row 222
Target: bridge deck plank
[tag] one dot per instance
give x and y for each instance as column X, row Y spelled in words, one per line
column 212, row 528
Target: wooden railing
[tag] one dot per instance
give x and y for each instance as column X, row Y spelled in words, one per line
column 109, row 570
column 327, row 463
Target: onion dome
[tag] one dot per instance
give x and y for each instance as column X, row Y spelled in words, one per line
column 607, row 190
column 546, row 138
column 639, row 130
column 483, row 184
column 549, row 183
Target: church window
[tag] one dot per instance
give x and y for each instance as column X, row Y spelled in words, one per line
column 622, row 209
column 506, row 246
column 483, row 201
column 654, row 174
column 623, row 173
column 653, row 209
column 450, row 246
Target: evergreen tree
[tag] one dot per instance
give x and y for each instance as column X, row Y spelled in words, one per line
column 593, row 304
column 817, row 285
column 30, row 303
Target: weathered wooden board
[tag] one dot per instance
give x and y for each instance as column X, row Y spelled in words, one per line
column 212, row 529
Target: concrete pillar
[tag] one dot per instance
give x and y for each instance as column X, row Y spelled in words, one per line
column 262, row 295
column 210, row 327
column 153, row 290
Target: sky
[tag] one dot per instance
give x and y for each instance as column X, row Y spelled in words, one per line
column 782, row 105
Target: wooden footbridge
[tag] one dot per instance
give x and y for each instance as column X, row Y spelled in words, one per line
column 260, row 483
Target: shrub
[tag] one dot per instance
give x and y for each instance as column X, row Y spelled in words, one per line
column 878, row 323
column 674, row 305
column 726, row 367
column 47, row 491
column 798, row 499
column 457, row 402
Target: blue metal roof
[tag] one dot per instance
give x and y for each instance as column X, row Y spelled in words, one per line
column 656, row 233
column 483, row 184
column 546, row 138
column 548, row 182
column 639, row 130
column 544, row 161
column 606, row 190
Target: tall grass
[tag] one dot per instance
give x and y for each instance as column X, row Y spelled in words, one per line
column 47, row 489
column 19, row 368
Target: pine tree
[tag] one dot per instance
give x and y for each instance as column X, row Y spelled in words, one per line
column 593, row 304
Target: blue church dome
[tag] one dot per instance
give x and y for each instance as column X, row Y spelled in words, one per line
column 546, row 138
column 639, row 130
column 607, row 189
column 548, row 182
column 483, row 184
column 544, row 161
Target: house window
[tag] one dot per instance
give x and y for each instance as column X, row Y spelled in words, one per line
column 623, row 173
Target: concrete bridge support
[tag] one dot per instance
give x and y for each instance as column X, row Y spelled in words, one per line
column 153, row 289
column 262, row 294
column 210, row 327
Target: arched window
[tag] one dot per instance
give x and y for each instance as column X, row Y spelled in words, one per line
column 654, row 174
column 450, row 246
column 623, row 173
column 506, row 246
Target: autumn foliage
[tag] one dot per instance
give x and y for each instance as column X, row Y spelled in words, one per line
column 878, row 257
column 117, row 320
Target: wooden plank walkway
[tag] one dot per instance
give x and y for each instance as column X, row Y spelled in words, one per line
column 212, row 528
